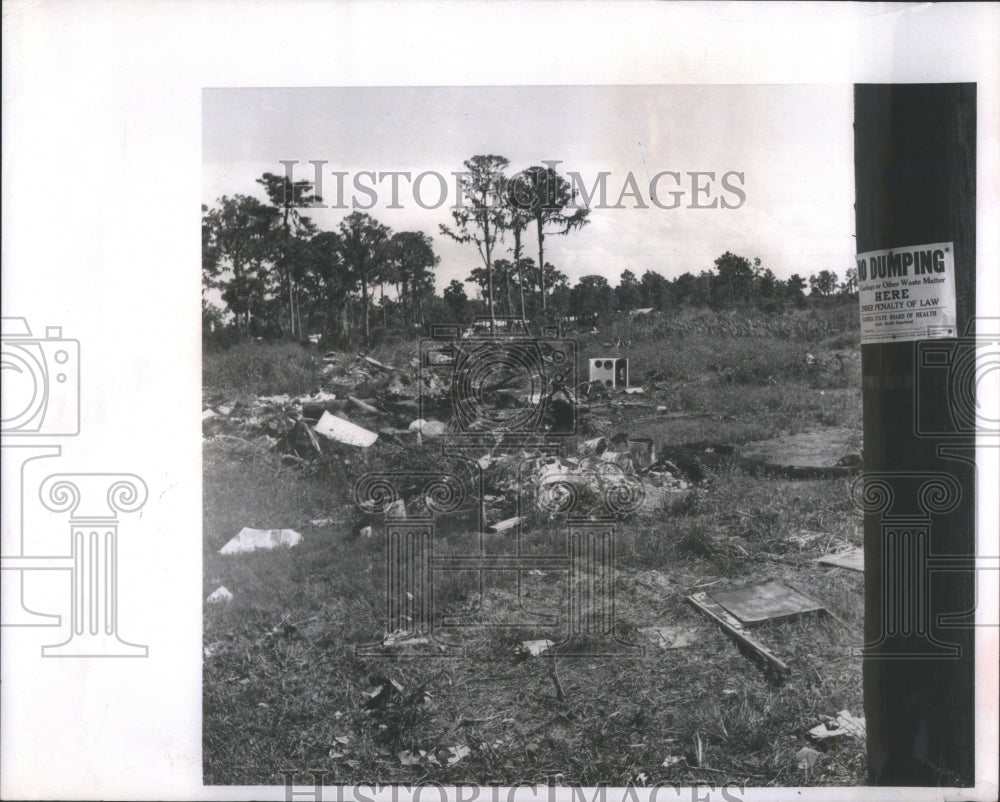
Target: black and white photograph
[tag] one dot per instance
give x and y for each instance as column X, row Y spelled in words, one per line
column 500, row 401
column 534, row 437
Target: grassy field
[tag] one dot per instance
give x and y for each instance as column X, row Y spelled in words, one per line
column 285, row 686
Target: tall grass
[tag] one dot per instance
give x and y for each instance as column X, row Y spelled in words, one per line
column 808, row 325
column 262, row 369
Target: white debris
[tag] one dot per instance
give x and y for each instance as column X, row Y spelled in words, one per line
column 319, row 397
column 396, row 510
column 672, row 637
column 503, row 526
column 432, row 428
column 254, row 539
column 807, row 757
column 403, row 638
column 457, row 753
column 843, row 724
column 219, row 595
column 536, row 647
column 280, row 400
column 343, row 431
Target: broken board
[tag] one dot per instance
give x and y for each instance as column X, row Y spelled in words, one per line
column 734, row 629
column 830, row 451
column 770, row 601
column 853, row 560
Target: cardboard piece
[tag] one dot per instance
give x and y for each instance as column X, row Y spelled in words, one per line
column 343, row 431
column 852, row 560
column 219, row 595
column 843, row 724
column 256, row 539
column 671, row 637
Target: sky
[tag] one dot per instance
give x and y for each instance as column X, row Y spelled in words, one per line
column 792, row 144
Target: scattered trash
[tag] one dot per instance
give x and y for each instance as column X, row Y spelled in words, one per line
column 396, row 510
column 672, row 760
column 432, row 428
column 611, row 372
column 770, row 601
column 376, row 364
column 343, row 431
column 734, row 629
column 594, row 447
column 254, row 539
column 852, row 559
column 220, row 595
column 807, row 757
column 671, row 637
column 319, row 397
column 642, row 450
column 843, row 724
column 380, row 696
column 408, row 758
column 366, row 531
column 207, row 414
column 634, row 390
column 536, row 647
column 503, row 526
column 457, row 753
column 364, row 406
column 322, row 522
column 403, row 638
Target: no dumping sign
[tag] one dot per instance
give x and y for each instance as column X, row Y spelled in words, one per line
column 907, row 293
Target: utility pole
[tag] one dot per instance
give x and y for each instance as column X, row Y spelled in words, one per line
column 915, row 179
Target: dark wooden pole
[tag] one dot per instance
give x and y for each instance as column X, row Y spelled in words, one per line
column 915, row 178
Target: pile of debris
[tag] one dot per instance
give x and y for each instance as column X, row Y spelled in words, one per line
column 363, row 401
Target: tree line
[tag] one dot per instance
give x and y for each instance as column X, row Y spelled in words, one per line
column 278, row 275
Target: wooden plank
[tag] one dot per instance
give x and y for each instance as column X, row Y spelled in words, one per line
column 732, row 627
column 770, row 601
